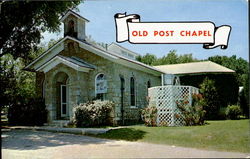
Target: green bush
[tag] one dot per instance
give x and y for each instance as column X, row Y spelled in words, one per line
column 149, row 116
column 94, row 113
column 211, row 102
column 227, row 89
column 222, row 113
column 27, row 112
column 192, row 114
column 233, row 111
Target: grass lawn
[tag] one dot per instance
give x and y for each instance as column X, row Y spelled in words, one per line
column 227, row 135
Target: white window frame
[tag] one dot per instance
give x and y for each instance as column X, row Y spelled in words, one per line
column 62, row 103
column 104, row 94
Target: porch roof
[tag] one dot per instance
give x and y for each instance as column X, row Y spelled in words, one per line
column 194, row 68
column 73, row 62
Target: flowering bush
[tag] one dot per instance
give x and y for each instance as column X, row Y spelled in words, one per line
column 94, row 113
column 233, row 111
column 192, row 114
column 149, row 116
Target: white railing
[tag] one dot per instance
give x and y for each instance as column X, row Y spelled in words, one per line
column 164, row 98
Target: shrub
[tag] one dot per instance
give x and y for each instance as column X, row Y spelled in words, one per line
column 211, row 102
column 94, row 113
column 233, row 111
column 222, row 113
column 28, row 112
column 149, row 116
column 192, row 114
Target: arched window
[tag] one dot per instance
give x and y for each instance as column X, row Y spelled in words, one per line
column 71, row 29
column 71, row 26
column 148, row 84
column 132, row 92
column 100, row 86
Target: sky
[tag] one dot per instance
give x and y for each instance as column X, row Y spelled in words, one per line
column 221, row 12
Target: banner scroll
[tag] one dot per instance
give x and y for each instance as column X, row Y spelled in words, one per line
column 129, row 28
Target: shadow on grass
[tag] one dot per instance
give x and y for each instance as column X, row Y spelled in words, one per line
column 128, row 134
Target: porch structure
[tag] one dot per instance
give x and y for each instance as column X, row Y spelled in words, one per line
column 164, row 98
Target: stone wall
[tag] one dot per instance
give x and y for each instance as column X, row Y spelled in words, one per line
column 82, row 84
column 39, row 83
column 141, row 79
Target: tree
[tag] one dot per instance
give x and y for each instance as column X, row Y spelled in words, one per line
column 170, row 58
column 148, row 59
column 186, row 58
column 239, row 65
column 22, row 23
column 210, row 98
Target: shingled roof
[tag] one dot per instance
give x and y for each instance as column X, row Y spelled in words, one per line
column 194, row 68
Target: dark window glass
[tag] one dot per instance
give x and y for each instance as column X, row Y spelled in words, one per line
column 132, row 91
column 149, row 84
column 64, row 109
column 64, row 94
column 100, row 96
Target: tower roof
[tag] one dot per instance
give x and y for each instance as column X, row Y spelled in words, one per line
column 70, row 12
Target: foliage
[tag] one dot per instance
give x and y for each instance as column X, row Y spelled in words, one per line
column 192, row 114
column 211, row 103
column 244, row 97
column 149, row 115
column 14, row 82
column 94, row 113
column 222, row 113
column 233, row 112
column 22, row 23
column 227, row 90
column 148, row 59
column 239, row 65
column 170, row 58
column 27, row 111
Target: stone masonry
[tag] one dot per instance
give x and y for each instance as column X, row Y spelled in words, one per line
column 81, row 85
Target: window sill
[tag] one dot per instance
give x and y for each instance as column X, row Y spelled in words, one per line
column 133, row 107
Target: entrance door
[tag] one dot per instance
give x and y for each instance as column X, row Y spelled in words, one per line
column 64, row 101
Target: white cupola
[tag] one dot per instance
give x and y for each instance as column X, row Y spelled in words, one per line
column 74, row 25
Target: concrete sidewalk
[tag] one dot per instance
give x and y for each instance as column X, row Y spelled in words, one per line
column 79, row 131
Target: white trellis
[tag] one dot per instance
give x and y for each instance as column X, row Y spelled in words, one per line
column 164, row 98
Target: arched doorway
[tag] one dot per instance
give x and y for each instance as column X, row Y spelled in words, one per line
column 62, row 95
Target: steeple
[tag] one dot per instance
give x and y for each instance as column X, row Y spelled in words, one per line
column 74, row 25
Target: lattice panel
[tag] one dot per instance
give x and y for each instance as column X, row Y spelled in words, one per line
column 164, row 98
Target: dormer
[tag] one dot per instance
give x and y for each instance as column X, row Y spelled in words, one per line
column 74, row 25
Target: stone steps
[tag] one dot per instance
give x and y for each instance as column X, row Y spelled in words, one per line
column 58, row 123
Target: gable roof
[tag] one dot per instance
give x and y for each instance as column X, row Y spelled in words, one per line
column 73, row 62
column 194, row 68
column 75, row 14
column 59, row 46
column 121, row 49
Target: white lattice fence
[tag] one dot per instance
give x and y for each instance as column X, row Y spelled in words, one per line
column 164, row 98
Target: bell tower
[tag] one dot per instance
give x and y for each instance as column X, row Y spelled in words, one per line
column 74, row 25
